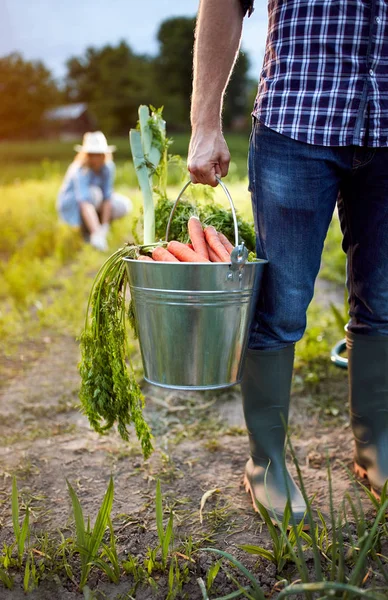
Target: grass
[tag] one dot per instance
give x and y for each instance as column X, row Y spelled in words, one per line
column 45, row 277
column 342, row 552
column 43, row 158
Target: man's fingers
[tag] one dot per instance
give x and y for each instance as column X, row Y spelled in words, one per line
column 202, row 174
column 224, row 165
column 208, row 157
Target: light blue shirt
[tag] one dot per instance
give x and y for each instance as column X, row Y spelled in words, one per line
column 76, row 188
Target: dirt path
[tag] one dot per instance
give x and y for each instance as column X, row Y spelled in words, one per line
column 200, row 445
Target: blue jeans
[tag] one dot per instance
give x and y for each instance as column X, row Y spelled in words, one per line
column 295, row 187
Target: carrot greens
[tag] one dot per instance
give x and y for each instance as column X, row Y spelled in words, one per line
column 109, row 390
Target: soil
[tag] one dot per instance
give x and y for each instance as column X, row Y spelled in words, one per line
column 200, row 445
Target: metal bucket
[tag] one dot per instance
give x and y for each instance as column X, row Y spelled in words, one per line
column 193, row 318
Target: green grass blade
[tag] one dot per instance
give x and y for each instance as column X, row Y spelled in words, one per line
column 328, row 586
column 244, row 570
column 340, row 553
column 159, row 512
column 107, row 569
column 243, row 591
column 102, row 520
column 368, row 544
column 6, row 579
column 212, row 574
column 25, row 531
column 78, row 517
column 202, row 587
column 237, row 594
column 272, row 530
column 263, row 552
column 168, row 537
column 15, row 509
column 310, row 520
column 26, row 578
column 334, row 546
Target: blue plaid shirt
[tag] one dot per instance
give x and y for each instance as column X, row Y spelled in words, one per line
column 325, row 74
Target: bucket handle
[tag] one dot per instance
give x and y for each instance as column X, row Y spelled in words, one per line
column 229, row 197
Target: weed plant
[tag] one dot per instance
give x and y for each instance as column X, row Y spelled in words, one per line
column 343, row 549
column 340, row 560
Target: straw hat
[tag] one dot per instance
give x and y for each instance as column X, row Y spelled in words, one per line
column 94, row 142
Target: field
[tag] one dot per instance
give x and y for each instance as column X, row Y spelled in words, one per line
column 188, row 496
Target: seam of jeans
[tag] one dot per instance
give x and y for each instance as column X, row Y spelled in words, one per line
column 364, row 164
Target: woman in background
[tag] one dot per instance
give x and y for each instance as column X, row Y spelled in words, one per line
column 86, row 197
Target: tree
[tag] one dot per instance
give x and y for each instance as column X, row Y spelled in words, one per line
column 113, row 81
column 27, row 89
column 173, row 68
column 174, row 74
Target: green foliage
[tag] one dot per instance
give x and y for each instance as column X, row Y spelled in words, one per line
column 127, row 76
column 22, row 534
column 173, row 74
column 24, row 84
column 339, row 569
column 210, row 213
column 109, row 391
column 165, row 536
column 89, row 539
column 334, row 258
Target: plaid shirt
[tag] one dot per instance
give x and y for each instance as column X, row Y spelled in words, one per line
column 325, row 74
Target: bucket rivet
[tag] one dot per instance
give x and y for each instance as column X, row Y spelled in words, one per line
column 230, row 276
column 240, row 276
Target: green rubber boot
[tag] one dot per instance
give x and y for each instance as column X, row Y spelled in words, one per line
column 368, row 399
column 266, row 387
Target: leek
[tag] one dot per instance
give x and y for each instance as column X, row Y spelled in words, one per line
column 149, row 145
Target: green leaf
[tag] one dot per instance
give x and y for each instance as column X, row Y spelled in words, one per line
column 102, row 519
column 159, row 512
column 24, row 533
column 212, row 574
column 240, row 566
column 167, row 537
column 251, row 549
column 15, row 509
column 26, row 578
column 78, row 517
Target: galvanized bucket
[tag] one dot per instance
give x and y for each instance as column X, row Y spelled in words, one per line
column 193, row 318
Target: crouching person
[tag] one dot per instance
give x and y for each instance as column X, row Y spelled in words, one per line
column 86, row 197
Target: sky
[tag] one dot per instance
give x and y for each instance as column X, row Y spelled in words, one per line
column 54, row 30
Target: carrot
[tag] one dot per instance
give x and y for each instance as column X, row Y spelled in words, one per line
column 190, row 246
column 225, row 242
column 197, row 237
column 213, row 256
column 184, row 253
column 215, row 244
column 145, row 258
column 162, row 255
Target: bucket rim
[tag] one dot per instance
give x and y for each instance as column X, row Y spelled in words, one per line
column 257, row 261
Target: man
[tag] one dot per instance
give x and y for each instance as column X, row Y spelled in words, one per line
column 320, row 132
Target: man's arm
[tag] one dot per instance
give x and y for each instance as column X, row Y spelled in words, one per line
column 217, row 41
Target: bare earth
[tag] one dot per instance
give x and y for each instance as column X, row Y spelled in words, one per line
column 200, row 445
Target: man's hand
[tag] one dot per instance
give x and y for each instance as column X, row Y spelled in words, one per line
column 208, row 156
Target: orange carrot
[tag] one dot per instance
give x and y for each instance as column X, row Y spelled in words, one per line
column 184, row 253
column 215, row 244
column 190, row 246
column 145, row 258
column 225, row 242
column 213, row 256
column 197, row 237
column 162, row 255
